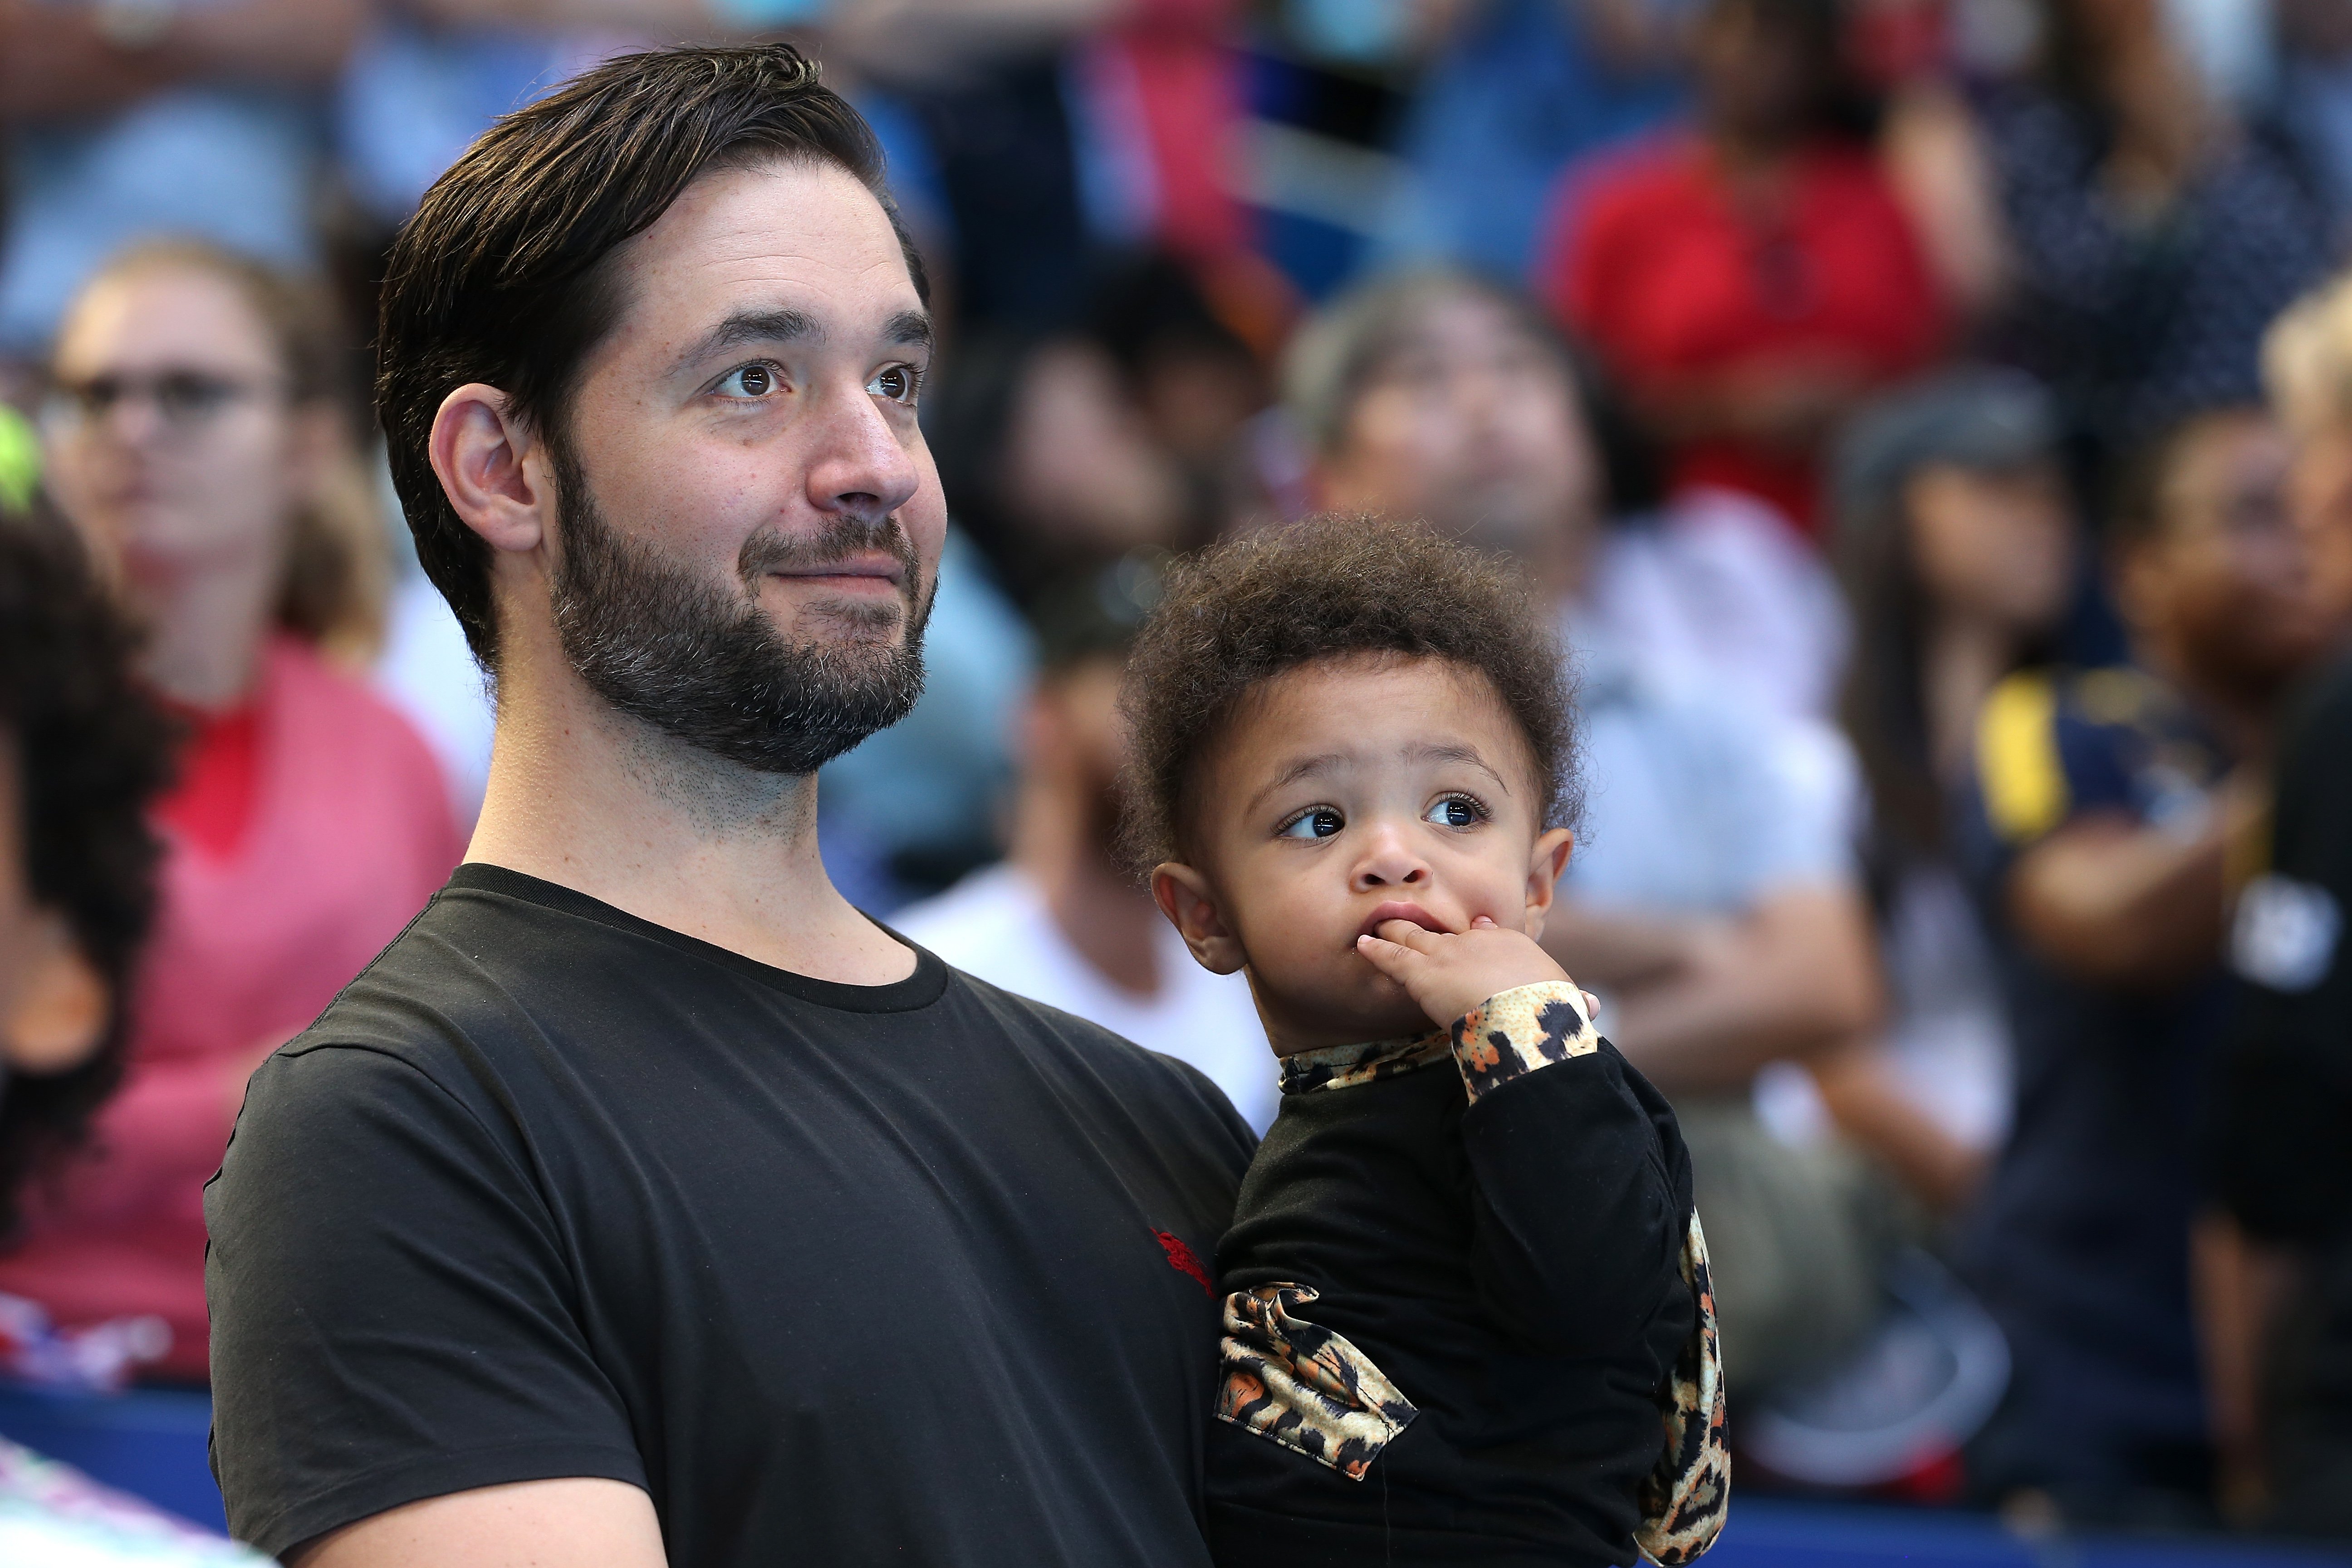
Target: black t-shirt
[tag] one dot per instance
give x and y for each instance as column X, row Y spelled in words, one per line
column 837, row 1274
column 1470, row 1310
column 2283, row 1155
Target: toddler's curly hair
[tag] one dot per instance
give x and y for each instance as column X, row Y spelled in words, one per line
column 1328, row 588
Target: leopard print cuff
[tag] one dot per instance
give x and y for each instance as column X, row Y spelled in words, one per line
column 1519, row 1030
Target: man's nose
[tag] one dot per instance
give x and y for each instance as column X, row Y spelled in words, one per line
column 862, row 467
column 1389, row 861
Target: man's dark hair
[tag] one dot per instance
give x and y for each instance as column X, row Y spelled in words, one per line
column 1330, row 587
column 90, row 752
column 501, row 276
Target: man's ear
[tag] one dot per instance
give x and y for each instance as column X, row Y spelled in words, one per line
column 1185, row 897
column 62, row 1006
column 1544, row 869
column 483, row 455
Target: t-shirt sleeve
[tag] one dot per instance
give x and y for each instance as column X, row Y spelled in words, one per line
column 2281, row 1161
column 1582, row 1191
column 392, row 1309
column 2039, row 765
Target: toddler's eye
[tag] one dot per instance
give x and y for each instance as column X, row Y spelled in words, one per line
column 1455, row 811
column 1320, row 822
column 749, row 381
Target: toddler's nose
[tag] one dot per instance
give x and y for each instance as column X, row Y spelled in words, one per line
column 1390, row 862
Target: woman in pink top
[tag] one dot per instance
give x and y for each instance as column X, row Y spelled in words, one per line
column 192, row 438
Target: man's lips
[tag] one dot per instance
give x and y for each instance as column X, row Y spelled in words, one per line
column 882, row 570
column 1392, row 911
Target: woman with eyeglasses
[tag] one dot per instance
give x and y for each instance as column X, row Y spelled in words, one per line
column 193, row 439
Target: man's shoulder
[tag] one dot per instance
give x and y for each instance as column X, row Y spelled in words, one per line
column 473, row 967
column 1146, row 1080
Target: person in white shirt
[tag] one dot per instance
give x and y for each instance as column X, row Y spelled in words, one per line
column 1061, row 920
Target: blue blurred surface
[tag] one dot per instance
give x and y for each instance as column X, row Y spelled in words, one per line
column 150, row 1443
column 1765, row 1532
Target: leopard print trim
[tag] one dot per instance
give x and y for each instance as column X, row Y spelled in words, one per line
column 1686, row 1497
column 1303, row 1386
column 1345, row 1067
column 1516, row 1031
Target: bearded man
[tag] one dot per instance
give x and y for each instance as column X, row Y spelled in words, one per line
column 644, row 1202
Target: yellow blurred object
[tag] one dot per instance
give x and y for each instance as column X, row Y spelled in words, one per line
column 2017, row 758
column 20, row 461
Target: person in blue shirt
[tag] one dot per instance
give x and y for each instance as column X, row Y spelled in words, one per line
column 2110, row 818
column 130, row 119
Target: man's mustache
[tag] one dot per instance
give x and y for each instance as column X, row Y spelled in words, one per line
column 772, row 550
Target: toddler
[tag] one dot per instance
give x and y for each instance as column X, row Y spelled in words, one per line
column 1467, row 1316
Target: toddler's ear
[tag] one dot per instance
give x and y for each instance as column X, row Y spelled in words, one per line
column 1185, row 897
column 1544, row 867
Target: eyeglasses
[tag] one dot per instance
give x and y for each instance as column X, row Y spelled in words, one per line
column 186, row 401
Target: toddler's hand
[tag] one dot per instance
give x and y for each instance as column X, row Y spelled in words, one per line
column 1449, row 974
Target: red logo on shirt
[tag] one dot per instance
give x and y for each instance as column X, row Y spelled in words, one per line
column 1181, row 1258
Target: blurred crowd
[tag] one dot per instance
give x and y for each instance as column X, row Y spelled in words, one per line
column 1932, row 420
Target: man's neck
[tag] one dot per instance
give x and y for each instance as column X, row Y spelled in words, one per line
column 589, row 798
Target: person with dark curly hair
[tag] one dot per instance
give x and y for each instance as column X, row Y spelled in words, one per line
column 82, row 754
column 86, row 753
column 192, row 434
column 1354, row 768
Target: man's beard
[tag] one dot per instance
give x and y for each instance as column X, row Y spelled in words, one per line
column 709, row 666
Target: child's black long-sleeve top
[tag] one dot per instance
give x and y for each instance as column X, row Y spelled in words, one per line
column 1469, row 1319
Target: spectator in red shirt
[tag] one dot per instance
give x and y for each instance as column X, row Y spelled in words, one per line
column 1748, row 278
column 190, row 439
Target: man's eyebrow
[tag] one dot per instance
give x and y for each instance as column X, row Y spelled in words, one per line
column 781, row 326
column 911, row 327
column 1429, row 752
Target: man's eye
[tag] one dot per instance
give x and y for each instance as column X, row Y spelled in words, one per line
column 1320, row 822
column 899, row 384
column 749, row 380
column 1455, row 811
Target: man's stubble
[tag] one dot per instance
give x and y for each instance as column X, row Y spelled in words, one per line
column 709, row 667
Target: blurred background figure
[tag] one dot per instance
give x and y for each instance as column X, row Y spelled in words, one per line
column 1063, row 920
column 86, row 753
column 2277, row 1259
column 1749, row 278
column 1713, row 901
column 130, row 121
column 2308, row 367
column 1515, row 91
column 2154, row 239
column 194, row 438
column 1956, row 542
column 2115, row 810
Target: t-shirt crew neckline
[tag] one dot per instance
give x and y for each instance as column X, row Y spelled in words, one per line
column 920, row 989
